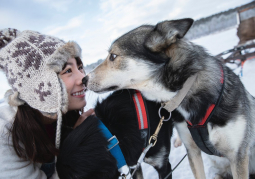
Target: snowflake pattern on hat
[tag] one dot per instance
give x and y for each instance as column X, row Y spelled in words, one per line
column 31, row 62
column 24, row 60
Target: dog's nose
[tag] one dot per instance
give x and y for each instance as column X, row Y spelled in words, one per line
column 85, row 80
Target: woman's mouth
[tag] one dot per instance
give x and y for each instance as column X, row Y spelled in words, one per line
column 79, row 94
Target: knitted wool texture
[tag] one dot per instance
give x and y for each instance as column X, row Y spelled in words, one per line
column 31, row 62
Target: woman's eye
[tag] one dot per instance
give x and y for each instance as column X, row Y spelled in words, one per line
column 81, row 68
column 112, row 57
column 67, row 71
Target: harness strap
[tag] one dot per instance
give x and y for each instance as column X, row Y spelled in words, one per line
column 173, row 103
column 142, row 117
column 140, row 110
column 115, row 150
column 199, row 132
column 212, row 107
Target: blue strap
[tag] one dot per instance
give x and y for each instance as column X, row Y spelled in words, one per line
column 113, row 141
column 113, row 145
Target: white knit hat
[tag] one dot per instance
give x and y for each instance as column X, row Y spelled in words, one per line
column 31, row 62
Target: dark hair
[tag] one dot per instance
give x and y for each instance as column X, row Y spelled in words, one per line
column 78, row 61
column 29, row 136
column 30, row 139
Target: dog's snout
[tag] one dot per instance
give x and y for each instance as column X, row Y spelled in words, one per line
column 85, row 80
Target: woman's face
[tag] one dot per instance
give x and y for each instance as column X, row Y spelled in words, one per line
column 72, row 76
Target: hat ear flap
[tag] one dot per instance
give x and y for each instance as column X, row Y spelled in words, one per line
column 166, row 33
column 13, row 98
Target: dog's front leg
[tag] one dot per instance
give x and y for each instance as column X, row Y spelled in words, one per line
column 194, row 153
column 240, row 165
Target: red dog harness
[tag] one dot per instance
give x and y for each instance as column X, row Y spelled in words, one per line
column 199, row 132
column 140, row 110
column 141, row 116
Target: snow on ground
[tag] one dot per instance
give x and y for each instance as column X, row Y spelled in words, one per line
column 215, row 44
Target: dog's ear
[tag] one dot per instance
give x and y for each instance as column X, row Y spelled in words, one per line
column 165, row 33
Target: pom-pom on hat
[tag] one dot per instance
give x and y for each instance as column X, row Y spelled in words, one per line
column 31, row 62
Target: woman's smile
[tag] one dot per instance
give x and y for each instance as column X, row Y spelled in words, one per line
column 79, row 94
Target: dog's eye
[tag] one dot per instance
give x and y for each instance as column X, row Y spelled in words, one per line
column 112, row 57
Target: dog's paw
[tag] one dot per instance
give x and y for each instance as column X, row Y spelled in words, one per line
column 177, row 142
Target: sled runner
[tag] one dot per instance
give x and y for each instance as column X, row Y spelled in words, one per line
column 239, row 54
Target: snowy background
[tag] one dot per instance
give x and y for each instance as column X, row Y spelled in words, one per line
column 100, row 22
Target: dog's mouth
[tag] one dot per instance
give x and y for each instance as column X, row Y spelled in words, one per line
column 111, row 88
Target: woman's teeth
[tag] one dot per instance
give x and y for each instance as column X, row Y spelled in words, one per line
column 78, row 93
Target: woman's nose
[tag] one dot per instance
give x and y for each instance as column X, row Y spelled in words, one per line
column 80, row 76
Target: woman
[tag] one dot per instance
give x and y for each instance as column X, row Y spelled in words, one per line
column 45, row 75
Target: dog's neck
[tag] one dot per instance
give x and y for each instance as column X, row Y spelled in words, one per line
column 154, row 91
column 159, row 93
column 171, row 100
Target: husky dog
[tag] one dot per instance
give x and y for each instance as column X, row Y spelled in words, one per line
column 158, row 61
column 83, row 153
column 118, row 113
